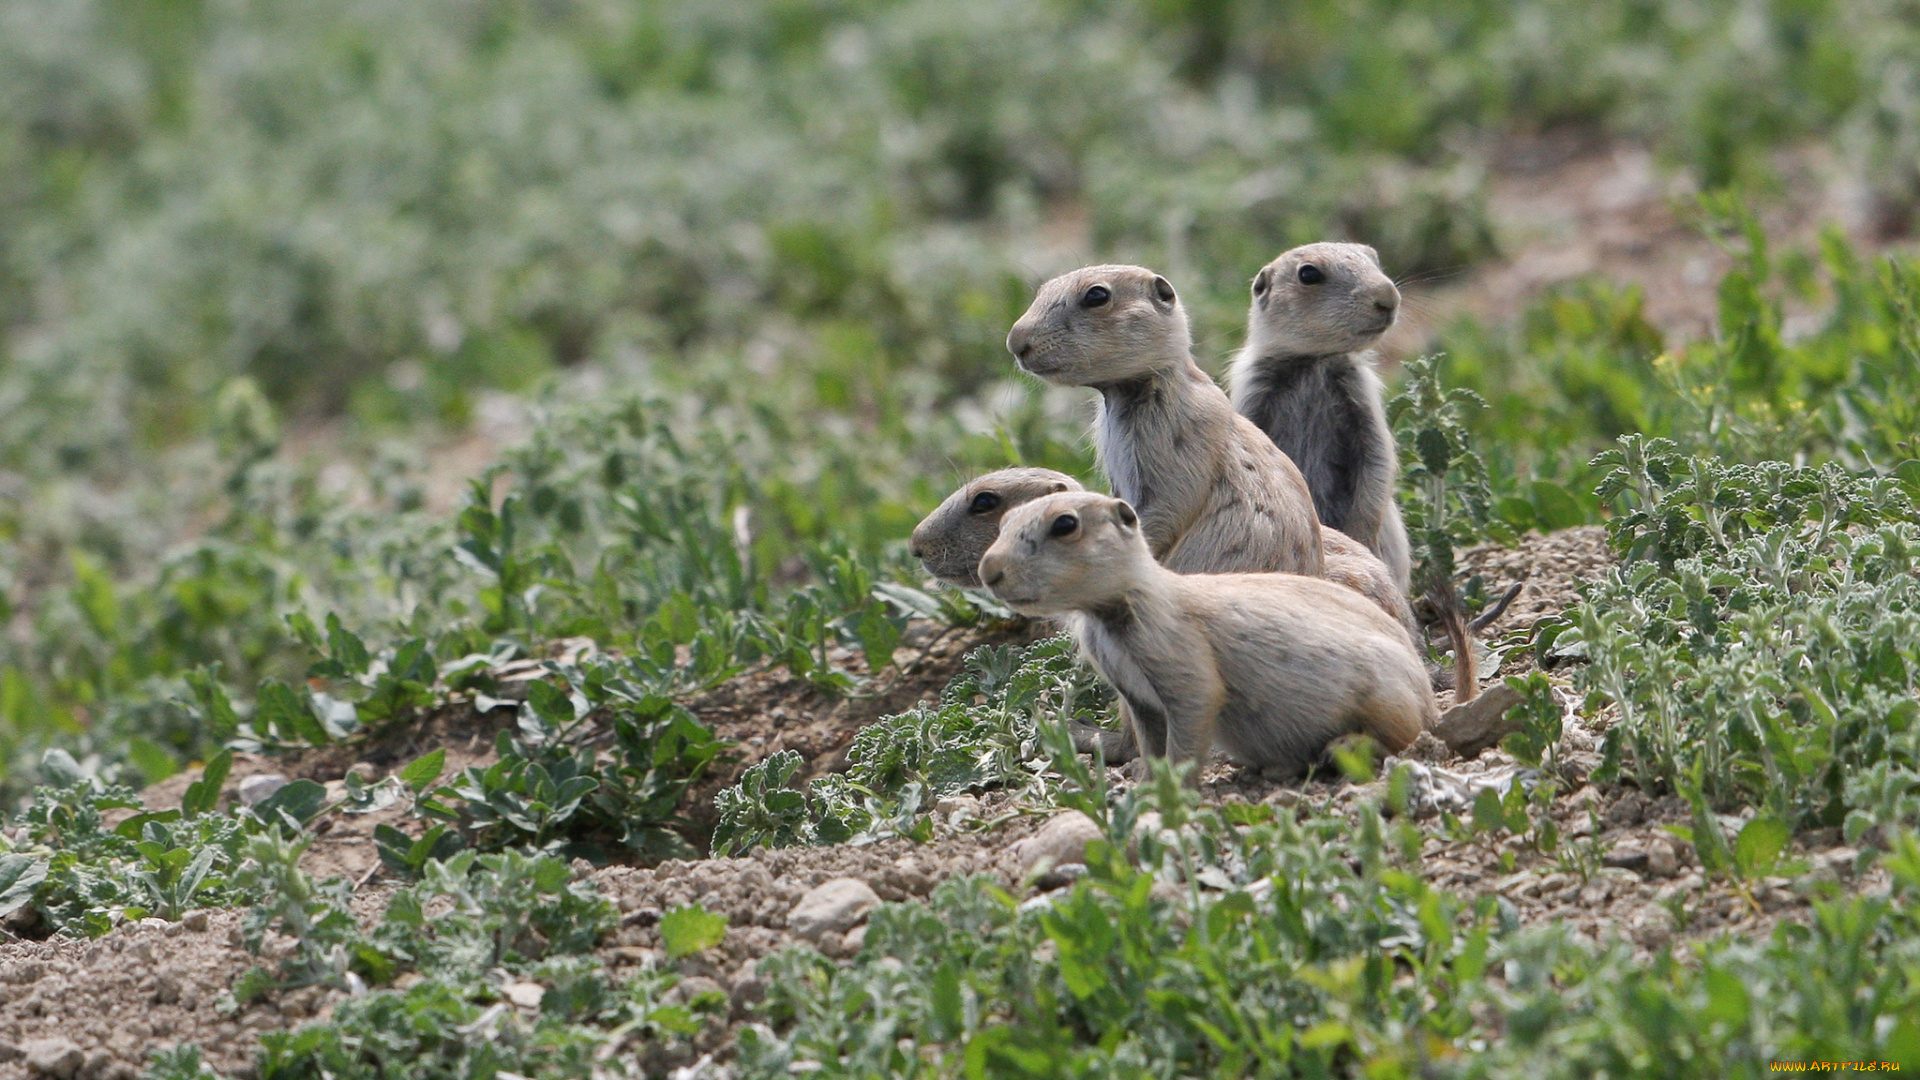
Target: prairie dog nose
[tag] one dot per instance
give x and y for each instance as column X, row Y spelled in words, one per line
column 1386, row 297
column 991, row 572
column 1020, row 340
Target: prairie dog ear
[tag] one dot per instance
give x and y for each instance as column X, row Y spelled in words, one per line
column 1123, row 512
column 1372, row 254
column 1163, row 289
column 1057, row 486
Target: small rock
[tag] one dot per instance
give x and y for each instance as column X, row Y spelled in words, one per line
column 1478, row 725
column 855, row 940
column 644, row 916
column 1628, row 855
column 1059, row 877
column 1663, row 861
column 1062, row 840
column 8, row 1051
column 1627, row 811
column 260, row 787
column 907, row 876
column 957, row 808
column 748, row 991
column 195, row 921
column 1427, row 747
column 691, row 987
column 527, row 995
column 832, row 907
column 1840, row 861
column 1283, row 797
column 55, row 1057
column 22, row 972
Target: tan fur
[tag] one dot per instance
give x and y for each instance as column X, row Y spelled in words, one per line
column 950, row 541
column 1212, row 491
column 1306, row 378
column 1274, row 666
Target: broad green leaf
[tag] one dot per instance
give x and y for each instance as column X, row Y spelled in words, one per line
column 689, row 929
column 422, row 771
column 154, row 761
column 552, row 704
column 204, row 794
column 281, row 712
column 20, row 875
column 1759, row 844
column 300, row 800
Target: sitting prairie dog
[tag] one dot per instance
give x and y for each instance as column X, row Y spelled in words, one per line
column 950, row 541
column 1305, row 378
column 1214, row 494
column 1273, row 665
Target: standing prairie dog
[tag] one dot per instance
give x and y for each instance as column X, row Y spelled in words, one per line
column 950, row 541
column 1273, row 665
column 1306, row 379
column 1213, row 493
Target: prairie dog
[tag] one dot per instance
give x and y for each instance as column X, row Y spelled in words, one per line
column 1306, row 379
column 950, row 541
column 1273, row 665
column 1213, row 493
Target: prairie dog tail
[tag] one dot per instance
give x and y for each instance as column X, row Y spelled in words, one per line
column 1453, row 618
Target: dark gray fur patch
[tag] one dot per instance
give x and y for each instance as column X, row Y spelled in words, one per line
column 1315, row 409
column 1116, row 617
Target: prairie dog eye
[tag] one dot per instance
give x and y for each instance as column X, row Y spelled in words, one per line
column 1310, row 275
column 1260, row 282
column 1095, row 296
column 1064, row 525
column 983, row 502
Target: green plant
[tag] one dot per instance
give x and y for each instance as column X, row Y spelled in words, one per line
column 81, row 877
column 985, row 732
column 554, row 788
column 1757, row 638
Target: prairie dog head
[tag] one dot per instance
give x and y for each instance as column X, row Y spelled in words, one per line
column 952, row 538
column 1101, row 325
column 1321, row 299
column 1066, row 552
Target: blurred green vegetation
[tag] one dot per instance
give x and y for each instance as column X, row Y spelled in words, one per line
column 379, row 208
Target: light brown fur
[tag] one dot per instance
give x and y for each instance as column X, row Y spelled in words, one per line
column 1273, row 665
column 1213, row 492
column 950, row 541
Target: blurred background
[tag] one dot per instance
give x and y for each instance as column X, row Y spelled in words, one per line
column 278, row 279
